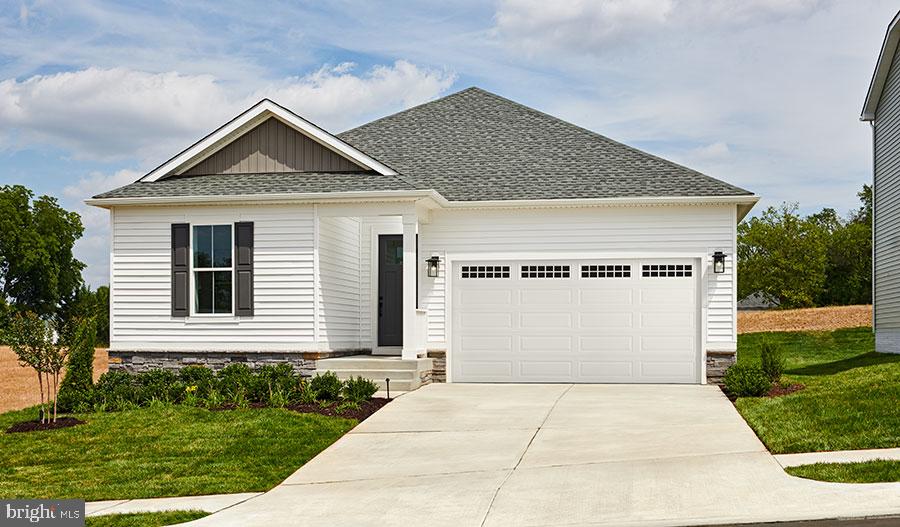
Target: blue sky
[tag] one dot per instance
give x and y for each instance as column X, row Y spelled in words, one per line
column 765, row 94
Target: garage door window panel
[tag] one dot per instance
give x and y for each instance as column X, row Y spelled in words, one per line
column 667, row 270
column 546, row 271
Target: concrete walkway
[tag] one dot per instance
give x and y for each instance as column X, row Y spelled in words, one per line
column 213, row 503
column 498, row 455
column 840, row 456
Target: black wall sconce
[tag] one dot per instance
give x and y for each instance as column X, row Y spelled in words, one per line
column 432, row 266
column 718, row 262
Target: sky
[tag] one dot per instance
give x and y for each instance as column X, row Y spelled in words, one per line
column 765, row 94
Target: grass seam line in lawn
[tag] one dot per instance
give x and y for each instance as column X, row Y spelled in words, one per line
column 179, row 503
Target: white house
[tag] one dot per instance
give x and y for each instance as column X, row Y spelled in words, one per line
column 472, row 238
column 882, row 110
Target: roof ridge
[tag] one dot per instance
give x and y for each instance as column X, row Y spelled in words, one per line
column 411, row 108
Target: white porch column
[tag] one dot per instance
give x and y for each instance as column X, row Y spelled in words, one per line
column 410, row 268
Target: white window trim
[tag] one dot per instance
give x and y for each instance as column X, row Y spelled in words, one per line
column 194, row 270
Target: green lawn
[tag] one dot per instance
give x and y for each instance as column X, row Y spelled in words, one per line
column 850, row 400
column 147, row 519
column 161, row 451
column 867, row 472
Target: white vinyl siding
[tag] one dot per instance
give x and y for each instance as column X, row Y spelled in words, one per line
column 339, row 283
column 283, row 281
column 887, row 207
column 585, row 233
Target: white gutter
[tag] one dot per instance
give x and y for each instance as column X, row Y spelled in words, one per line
column 744, row 203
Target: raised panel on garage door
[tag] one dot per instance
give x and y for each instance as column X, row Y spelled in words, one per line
column 575, row 321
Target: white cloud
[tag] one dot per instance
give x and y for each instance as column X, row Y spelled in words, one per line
column 120, row 113
column 597, row 26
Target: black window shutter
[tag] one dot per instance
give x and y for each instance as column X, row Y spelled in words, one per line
column 243, row 269
column 181, row 275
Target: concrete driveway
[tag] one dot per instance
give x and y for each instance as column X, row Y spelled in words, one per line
column 499, row 455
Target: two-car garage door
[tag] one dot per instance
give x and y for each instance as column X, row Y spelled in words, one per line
column 575, row 321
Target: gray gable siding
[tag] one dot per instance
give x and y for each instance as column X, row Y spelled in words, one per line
column 273, row 147
column 887, row 203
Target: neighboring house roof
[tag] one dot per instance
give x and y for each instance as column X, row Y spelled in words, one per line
column 477, row 146
column 469, row 146
column 882, row 68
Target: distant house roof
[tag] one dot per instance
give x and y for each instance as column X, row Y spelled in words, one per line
column 469, row 146
column 882, row 68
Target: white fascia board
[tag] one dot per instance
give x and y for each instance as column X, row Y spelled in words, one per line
column 882, row 68
column 311, row 197
column 743, row 203
column 261, row 111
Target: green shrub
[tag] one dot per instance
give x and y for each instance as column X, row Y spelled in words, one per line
column 272, row 378
column 359, row 389
column 303, row 391
column 201, row 377
column 77, row 389
column 326, row 386
column 157, row 385
column 236, row 381
column 115, row 390
column 347, row 406
column 771, row 361
column 747, row 381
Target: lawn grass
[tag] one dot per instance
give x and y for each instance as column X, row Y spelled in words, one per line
column 877, row 471
column 144, row 519
column 162, row 450
column 850, row 400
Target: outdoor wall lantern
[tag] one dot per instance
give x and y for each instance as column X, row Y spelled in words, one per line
column 718, row 262
column 432, row 268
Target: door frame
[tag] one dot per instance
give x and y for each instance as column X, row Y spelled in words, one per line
column 701, row 260
column 374, row 277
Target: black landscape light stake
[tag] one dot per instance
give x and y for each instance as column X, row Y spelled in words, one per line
column 718, row 262
column 387, row 382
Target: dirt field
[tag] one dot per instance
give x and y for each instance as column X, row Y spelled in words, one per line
column 19, row 386
column 811, row 319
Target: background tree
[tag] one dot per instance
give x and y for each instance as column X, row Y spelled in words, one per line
column 782, row 256
column 38, row 271
column 88, row 304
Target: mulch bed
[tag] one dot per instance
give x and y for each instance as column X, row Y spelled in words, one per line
column 779, row 390
column 36, row 426
column 365, row 409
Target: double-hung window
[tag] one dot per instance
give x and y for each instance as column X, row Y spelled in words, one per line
column 213, row 269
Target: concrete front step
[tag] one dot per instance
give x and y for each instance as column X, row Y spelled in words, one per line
column 366, row 363
column 405, row 375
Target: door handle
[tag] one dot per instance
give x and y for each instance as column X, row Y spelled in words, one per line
column 380, row 306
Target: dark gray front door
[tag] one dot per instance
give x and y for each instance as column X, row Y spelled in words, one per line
column 390, row 290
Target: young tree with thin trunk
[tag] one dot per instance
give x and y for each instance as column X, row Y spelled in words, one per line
column 30, row 337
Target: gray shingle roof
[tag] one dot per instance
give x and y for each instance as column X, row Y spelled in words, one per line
column 474, row 146
column 259, row 184
column 471, row 146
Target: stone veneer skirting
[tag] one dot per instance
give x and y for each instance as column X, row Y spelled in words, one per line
column 304, row 362
column 716, row 364
column 439, row 368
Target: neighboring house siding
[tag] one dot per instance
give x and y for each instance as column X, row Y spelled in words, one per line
column 577, row 232
column 887, row 208
column 283, row 281
column 339, row 283
column 273, row 147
